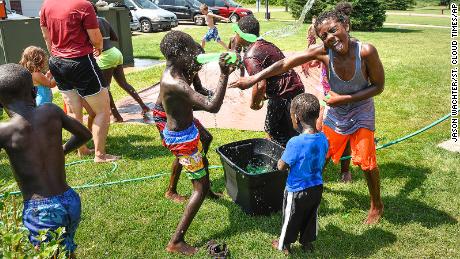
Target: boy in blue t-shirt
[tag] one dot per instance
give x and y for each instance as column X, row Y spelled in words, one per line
column 305, row 156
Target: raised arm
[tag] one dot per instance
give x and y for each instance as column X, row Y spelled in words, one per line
column 375, row 74
column 80, row 134
column 199, row 87
column 214, row 103
column 218, row 16
column 280, row 67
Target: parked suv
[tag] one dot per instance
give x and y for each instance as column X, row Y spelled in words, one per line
column 150, row 16
column 188, row 10
column 228, row 9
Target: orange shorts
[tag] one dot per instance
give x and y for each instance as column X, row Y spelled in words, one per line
column 362, row 147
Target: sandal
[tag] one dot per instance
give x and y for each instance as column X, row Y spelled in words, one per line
column 217, row 251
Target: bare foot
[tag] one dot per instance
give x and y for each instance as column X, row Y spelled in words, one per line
column 105, row 158
column 346, row 177
column 85, row 152
column 175, row 197
column 275, row 244
column 214, row 195
column 181, row 247
column 373, row 216
column 117, row 119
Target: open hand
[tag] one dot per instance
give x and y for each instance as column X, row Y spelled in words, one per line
column 335, row 99
column 242, row 83
column 225, row 67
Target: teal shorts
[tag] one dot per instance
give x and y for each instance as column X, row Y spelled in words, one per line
column 110, row 58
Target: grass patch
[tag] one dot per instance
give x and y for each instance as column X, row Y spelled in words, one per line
column 419, row 181
column 423, row 20
column 427, row 8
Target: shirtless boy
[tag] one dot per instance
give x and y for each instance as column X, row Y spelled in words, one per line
column 213, row 33
column 181, row 135
column 32, row 139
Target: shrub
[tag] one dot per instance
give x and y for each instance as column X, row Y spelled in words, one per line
column 367, row 15
column 14, row 242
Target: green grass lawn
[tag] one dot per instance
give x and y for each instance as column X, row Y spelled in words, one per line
column 426, row 9
column 439, row 21
column 419, row 180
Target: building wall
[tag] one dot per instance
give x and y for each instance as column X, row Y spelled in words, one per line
column 31, row 7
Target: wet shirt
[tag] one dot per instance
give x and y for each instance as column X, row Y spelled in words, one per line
column 348, row 118
column 262, row 54
column 306, row 155
column 67, row 22
column 105, row 28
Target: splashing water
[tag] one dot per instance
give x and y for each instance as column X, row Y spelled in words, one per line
column 293, row 28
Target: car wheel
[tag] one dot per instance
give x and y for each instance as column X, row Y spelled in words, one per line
column 199, row 21
column 146, row 25
column 234, row 18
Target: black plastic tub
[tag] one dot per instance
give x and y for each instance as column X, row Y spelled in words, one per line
column 257, row 194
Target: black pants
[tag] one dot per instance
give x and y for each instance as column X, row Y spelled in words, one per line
column 300, row 216
column 278, row 123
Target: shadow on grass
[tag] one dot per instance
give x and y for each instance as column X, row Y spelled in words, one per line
column 399, row 209
column 242, row 223
column 333, row 242
column 133, row 146
column 393, row 29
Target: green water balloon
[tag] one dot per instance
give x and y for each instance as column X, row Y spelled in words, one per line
column 212, row 57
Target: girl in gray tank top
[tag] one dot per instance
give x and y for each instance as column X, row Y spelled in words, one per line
column 348, row 118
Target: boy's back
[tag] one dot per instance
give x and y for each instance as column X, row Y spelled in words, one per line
column 306, row 156
column 33, row 143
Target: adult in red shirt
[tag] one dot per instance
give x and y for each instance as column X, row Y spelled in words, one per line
column 71, row 32
column 279, row 90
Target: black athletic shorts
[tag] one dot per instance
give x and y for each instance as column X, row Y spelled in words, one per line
column 278, row 123
column 300, row 216
column 82, row 74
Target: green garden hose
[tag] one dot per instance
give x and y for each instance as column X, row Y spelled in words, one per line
column 391, row 143
column 155, row 176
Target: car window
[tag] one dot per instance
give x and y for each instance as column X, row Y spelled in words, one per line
column 195, row 3
column 220, row 3
column 145, row 4
column 180, row 2
column 232, row 3
column 129, row 3
column 209, row 2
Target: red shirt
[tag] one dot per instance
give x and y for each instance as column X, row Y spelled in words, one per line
column 262, row 54
column 67, row 22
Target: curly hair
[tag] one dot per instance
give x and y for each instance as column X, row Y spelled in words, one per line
column 177, row 44
column 34, row 59
column 249, row 24
column 335, row 15
column 306, row 107
column 344, row 7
